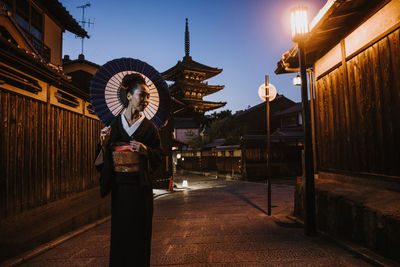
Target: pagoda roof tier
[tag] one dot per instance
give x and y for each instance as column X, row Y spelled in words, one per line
column 202, row 106
column 189, row 64
column 203, row 88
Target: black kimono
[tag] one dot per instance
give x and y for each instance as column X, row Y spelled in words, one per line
column 131, row 196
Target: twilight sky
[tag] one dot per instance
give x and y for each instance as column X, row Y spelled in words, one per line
column 243, row 37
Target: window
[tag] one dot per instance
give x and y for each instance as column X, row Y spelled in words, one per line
column 9, row 5
column 36, row 23
column 289, row 121
column 30, row 19
column 22, row 16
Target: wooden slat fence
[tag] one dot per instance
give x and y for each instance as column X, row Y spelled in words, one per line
column 367, row 139
column 46, row 153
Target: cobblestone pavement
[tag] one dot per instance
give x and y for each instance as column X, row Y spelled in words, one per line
column 214, row 223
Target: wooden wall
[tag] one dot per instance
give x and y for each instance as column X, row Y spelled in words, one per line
column 208, row 162
column 46, row 153
column 285, row 161
column 191, row 163
column 229, row 164
column 358, row 111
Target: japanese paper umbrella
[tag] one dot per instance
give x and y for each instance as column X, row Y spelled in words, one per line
column 106, row 96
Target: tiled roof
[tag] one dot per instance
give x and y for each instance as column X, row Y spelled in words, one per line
column 61, row 14
column 296, row 108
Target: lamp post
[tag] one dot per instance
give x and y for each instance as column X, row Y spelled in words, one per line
column 299, row 23
column 267, row 93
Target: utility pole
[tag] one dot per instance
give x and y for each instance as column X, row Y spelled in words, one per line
column 268, row 144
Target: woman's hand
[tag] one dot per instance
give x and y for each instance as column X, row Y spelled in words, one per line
column 105, row 135
column 138, row 147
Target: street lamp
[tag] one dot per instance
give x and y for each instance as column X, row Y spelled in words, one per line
column 297, row 80
column 299, row 23
column 267, row 93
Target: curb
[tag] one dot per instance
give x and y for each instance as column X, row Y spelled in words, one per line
column 34, row 252
column 163, row 194
column 363, row 252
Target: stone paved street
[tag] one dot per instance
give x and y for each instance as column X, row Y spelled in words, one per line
column 214, row 223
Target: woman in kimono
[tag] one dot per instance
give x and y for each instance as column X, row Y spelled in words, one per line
column 129, row 152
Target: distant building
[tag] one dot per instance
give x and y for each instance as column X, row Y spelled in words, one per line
column 185, row 129
column 286, row 139
column 247, row 159
column 353, row 50
column 290, row 129
column 254, row 119
column 189, row 88
column 81, row 71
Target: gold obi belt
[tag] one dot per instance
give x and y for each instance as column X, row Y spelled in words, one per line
column 124, row 159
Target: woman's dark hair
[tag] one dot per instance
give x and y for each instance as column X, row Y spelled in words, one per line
column 129, row 84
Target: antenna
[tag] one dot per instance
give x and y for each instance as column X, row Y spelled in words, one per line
column 83, row 21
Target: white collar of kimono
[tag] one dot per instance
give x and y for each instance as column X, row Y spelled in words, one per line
column 131, row 130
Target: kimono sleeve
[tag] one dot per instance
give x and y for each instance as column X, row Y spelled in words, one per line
column 99, row 158
column 154, row 150
column 106, row 172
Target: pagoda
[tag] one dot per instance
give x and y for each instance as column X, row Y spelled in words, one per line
column 189, row 87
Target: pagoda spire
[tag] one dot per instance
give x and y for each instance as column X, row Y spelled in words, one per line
column 187, row 41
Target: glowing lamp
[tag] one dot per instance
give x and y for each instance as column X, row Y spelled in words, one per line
column 178, row 156
column 271, row 89
column 185, row 183
column 299, row 22
column 297, row 80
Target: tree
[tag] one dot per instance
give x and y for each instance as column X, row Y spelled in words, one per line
column 218, row 125
column 226, row 127
column 206, row 120
column 195, row 142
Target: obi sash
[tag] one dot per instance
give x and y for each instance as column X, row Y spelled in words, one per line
column 124, row 159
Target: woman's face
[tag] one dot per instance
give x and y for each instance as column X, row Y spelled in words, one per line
column 140, row 97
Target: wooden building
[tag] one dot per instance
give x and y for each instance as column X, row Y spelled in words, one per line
column 185, row 129
column 286, row 142
column 285, row 139
column 258, row 113
column 228, row 159
column 42, row 116
column 48, row 131
column 189, row 87
column 353, row 49
column 215, row 157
